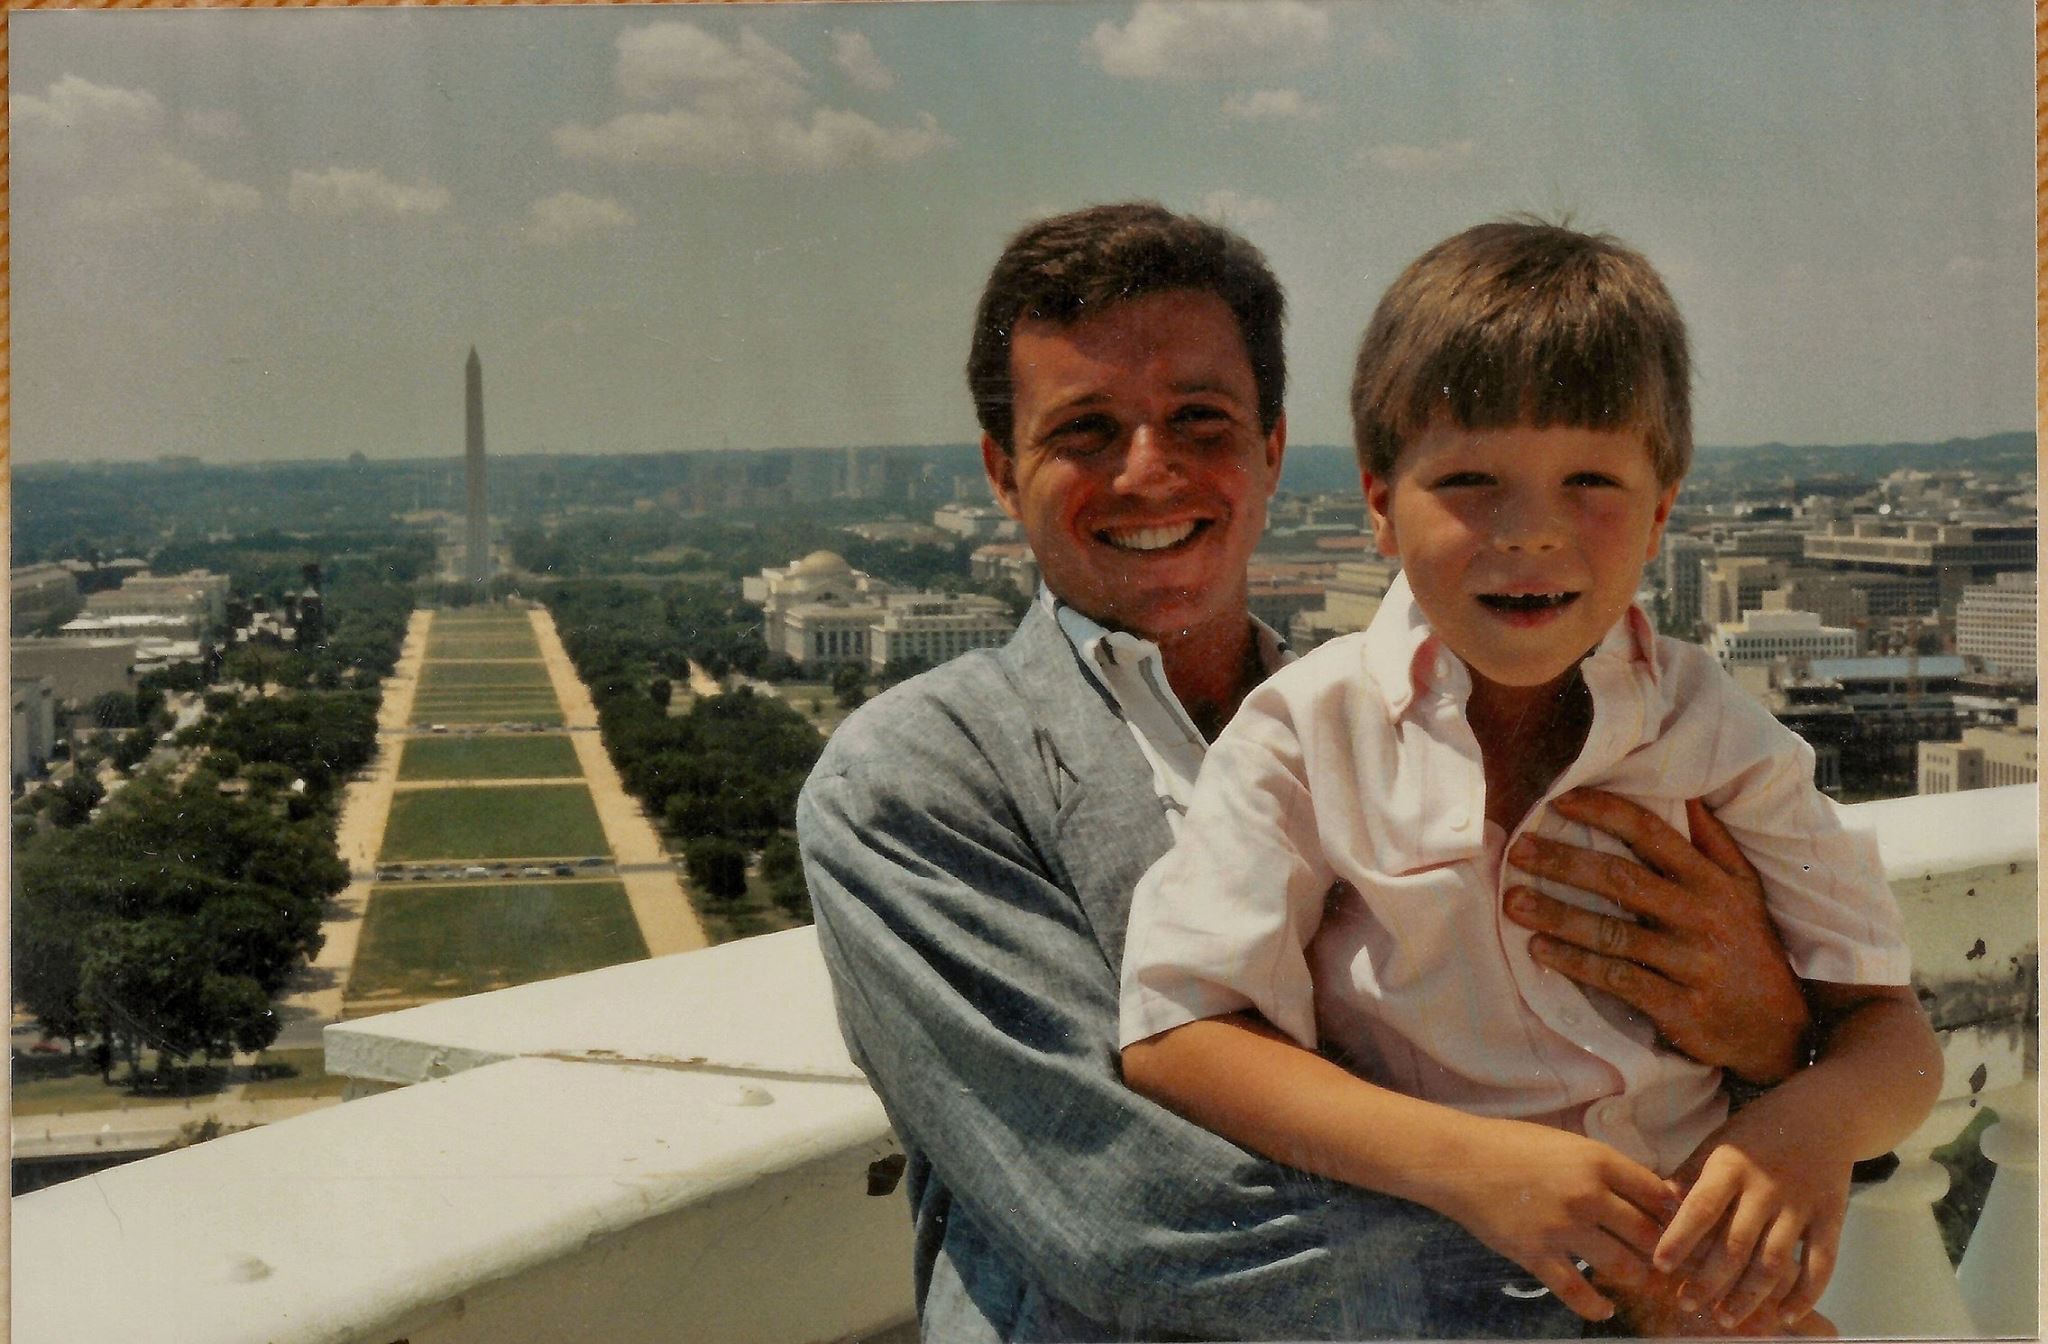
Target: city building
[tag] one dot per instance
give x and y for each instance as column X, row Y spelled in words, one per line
column 1985, row 758
column 1679, row 567
column 823, row 610
column 1350, row 600
column 198, row 594
column 1944, row 558
column 1007, row 562
column 78, row 670
column 930, row 628
column 1733, row 584
column 974, row 522
column 1767, row 636
column 1998, row 624
column 40, row 594
column 32, row 727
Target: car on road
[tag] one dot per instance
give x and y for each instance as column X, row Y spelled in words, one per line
column 564, row 870
column 476, row 870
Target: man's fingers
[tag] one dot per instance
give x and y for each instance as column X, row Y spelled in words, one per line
column 1712, row 839
column 1641, row 989
column 1624, row 881
column 1648, row 836
column 1604, row 934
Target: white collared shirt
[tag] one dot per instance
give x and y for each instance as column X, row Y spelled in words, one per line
column 1338, row 875
column 1130, row 669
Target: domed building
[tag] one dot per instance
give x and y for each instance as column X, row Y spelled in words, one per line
column 822, row 610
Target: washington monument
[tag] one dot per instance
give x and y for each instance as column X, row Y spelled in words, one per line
column 478, row 564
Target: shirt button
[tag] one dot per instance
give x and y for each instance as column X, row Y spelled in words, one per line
column 1460, row 819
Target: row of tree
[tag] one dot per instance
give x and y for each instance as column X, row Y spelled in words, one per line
column 723, row 776
column 169, row 917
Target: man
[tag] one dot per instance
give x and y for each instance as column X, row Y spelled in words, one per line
column 972, row 840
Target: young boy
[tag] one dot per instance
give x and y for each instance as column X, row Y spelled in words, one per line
column 1521, row 407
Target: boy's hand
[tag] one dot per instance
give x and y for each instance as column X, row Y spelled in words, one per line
column 1757, row 1197
column 1545, row 1199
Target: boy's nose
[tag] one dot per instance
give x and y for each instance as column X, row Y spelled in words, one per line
column 1528, row 525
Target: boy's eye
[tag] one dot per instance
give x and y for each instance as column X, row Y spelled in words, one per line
column 1457, row 479
column 1591, row 478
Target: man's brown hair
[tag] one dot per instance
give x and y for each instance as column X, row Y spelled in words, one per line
column 1519, row 322
column 1070, row 267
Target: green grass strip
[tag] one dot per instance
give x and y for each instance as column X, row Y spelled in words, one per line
column 552, row 756
column 442, row 941
column 528, row 821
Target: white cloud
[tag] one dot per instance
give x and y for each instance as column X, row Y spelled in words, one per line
column 1422, row 158
column 568, row 215
column 82, row 107
column 361, row 191
column 1236, row 208
column 669, row 61
column 855, row 57
column 1200, row 39
column 107, row 153
column 1271, row 105
column 737, row 105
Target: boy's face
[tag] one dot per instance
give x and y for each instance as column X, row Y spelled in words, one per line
column 1523, row 546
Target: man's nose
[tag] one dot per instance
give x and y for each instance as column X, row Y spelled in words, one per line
column 1148, row 463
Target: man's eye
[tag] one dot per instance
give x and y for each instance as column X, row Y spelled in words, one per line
column 1082, row 433
column 1202, row 419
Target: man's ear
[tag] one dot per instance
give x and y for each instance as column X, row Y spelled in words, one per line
column 1276, row 448
column 1001, row 466
column 1379, row 500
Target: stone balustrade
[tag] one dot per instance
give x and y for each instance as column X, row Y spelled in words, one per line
column 680, row 1149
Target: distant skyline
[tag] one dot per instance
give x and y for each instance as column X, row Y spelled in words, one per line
column 273, row 235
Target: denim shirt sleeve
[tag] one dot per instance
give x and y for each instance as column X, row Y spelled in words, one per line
column 983, row 1011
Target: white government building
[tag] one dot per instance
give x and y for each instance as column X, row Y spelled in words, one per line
column 1767, row 636
column 823, row 610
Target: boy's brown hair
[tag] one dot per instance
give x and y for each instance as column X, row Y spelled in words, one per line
column 1519, row 322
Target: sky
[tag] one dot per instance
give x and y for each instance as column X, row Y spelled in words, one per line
column 267, row 235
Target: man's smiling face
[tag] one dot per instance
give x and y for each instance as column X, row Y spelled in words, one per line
column 1139, row 469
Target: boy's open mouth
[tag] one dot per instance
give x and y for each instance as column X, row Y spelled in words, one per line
column 1527, row 601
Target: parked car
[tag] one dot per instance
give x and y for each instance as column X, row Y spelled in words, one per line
column 476, row 870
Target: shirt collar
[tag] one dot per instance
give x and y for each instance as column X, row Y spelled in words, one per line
column 1098, row 644
column 1404, row 658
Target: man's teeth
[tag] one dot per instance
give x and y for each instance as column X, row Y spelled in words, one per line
column 1526, row 601
column 1149, row 538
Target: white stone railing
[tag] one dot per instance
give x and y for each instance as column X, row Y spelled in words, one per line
column 679, row 1149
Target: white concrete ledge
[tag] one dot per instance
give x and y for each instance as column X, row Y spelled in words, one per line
column 535, row 1199
column 761, row 1005
column 680, row 1149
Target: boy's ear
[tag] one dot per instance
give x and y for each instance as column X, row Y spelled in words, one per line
column 1379, row 498
column 1665, row 500
column 1001, row 467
